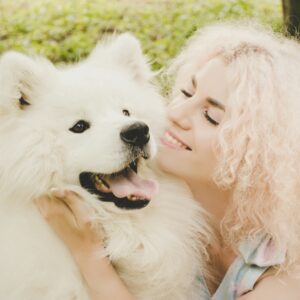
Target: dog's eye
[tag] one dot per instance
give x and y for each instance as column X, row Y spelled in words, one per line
column 80, row 126
column 126, row 112
column 23, row 102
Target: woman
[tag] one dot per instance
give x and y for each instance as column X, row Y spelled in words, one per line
column 236, row 115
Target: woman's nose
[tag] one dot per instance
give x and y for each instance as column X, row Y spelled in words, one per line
column 179, row 113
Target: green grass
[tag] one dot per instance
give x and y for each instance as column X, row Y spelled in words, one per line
column 66, row 30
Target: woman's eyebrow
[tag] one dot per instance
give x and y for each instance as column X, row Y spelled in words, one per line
column 215, row 103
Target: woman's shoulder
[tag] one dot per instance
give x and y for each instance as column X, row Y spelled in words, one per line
column 276, row 287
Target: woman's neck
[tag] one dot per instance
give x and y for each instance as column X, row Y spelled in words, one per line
column 214, row 200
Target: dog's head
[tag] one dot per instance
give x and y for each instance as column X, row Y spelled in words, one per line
column 90, row 124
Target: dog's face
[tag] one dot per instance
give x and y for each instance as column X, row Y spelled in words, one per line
column 90, row 124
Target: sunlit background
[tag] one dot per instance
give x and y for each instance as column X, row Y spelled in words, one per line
column 66, row 30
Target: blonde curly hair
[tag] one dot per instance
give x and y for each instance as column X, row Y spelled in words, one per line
column 258, row 146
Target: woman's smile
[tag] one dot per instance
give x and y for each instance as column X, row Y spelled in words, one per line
column 169, row 139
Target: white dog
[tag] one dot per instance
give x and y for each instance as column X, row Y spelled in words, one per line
column 91, row 127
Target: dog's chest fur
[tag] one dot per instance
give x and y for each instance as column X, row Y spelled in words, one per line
column 157, row 250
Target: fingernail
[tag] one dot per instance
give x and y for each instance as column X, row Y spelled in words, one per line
column 58, row 192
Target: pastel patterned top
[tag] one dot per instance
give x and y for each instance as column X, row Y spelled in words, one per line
column 256, row 256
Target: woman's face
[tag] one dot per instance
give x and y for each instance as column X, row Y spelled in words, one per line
column 193, row 118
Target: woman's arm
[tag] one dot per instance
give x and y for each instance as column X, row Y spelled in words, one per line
column 276, row 287
column 102, row 280
column 70, row 218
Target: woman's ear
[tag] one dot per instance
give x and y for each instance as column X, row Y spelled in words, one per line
column 125, row 51
column 19, row 76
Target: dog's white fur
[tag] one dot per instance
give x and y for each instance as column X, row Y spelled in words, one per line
column 156, row 250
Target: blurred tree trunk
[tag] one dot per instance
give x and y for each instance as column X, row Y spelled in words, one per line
column 291, row 13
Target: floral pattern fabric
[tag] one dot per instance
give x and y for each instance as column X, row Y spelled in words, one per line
column 256, row 256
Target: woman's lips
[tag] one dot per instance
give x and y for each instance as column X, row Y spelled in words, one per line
column 171, row 140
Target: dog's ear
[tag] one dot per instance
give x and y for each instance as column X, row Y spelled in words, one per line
column 19, row 75
column 124, row 50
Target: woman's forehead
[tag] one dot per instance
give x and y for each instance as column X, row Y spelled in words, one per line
column 211, row 79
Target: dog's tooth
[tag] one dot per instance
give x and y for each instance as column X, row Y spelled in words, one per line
column 100, row 185
column 98, row 179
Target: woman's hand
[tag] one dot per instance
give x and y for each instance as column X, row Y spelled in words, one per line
column 72, row 220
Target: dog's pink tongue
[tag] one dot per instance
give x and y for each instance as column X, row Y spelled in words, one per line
column 132, row 185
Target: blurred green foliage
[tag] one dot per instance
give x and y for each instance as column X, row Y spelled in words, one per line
column 66, row 30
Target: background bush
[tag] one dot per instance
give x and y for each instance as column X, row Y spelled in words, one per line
column 66, row 30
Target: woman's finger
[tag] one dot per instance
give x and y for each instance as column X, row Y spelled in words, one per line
column 62, row 221
column 55, row 211
column 82, row 212
column 68, row 217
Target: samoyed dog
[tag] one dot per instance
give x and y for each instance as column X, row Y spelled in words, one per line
column 92, row 127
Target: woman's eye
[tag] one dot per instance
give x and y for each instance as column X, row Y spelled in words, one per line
column 186, row 93
column 209, row 118
column 80, row 126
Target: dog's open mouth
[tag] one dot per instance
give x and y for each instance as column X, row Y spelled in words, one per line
column 126, row 189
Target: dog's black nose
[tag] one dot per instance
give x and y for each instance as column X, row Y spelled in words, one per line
column 136, row 134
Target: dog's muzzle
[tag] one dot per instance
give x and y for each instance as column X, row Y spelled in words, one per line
column 126, row 189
